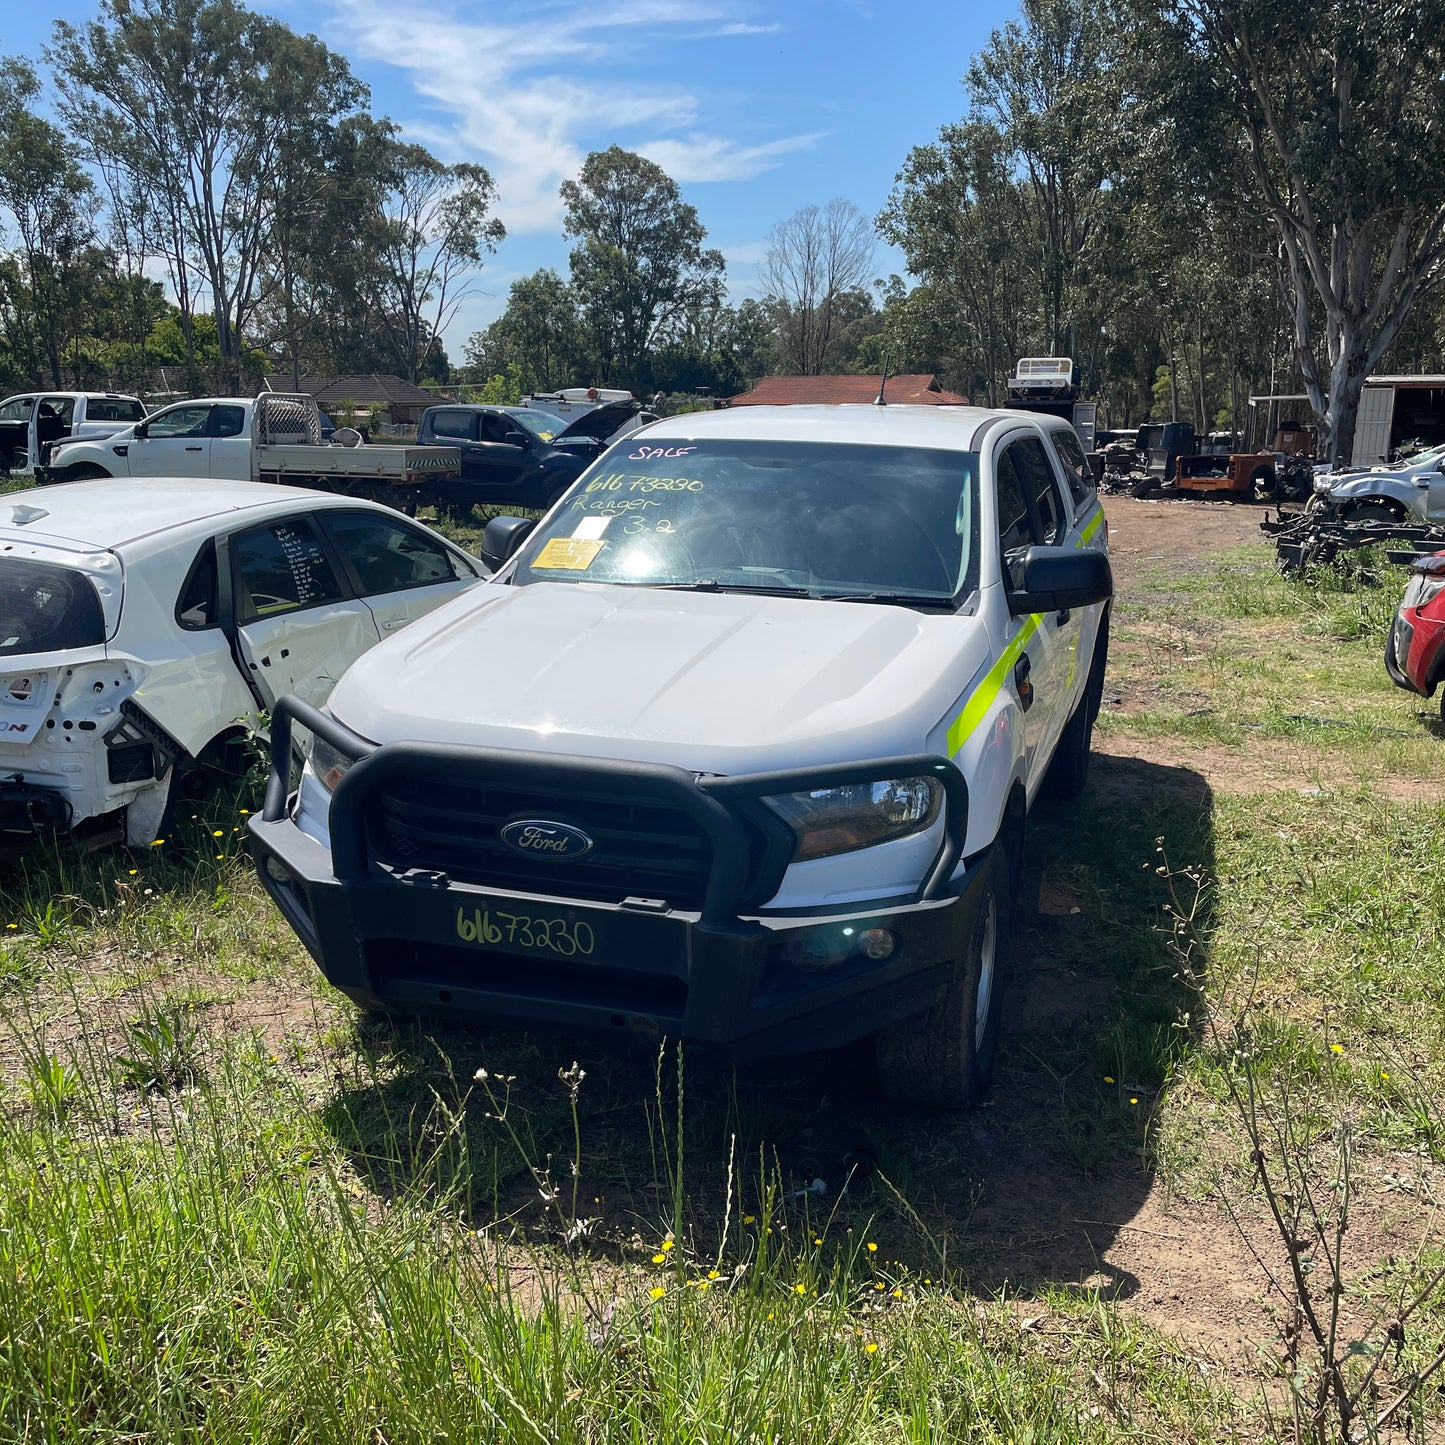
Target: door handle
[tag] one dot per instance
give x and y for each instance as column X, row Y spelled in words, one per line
column 195, row 449
column 392, row 623
column 1022, row 668
column 1063, row 617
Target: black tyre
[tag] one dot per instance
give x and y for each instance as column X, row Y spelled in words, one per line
column 944, row 1058
column 84, row 472
column 459, row 513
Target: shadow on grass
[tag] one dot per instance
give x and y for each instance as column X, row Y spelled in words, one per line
column 1030, row 1190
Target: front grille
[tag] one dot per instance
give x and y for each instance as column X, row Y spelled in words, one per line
column 640, row 849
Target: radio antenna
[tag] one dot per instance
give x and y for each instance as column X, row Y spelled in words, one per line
column 880, row 399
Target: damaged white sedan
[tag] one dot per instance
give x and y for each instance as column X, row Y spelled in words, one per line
column 147, row 625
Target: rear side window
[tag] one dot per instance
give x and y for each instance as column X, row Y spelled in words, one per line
column 281, row 568
column 227, row 421
column 45, row 608
column 389, row 556
column 196, row 606
column 110, row 409
column 1076, row 469
column 182, row 421
column 457, row 424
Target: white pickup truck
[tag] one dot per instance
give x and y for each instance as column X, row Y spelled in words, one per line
column 273, row 438
column 739, row 745
column 33, row 424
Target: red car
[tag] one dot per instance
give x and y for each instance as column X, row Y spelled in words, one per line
column 1415, row 652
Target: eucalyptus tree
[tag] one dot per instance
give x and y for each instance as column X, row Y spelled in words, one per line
column 1339, row 112
column 816, row 259
column 639, row 262
column 52, row 204
column 191, row 106
column 432, row 229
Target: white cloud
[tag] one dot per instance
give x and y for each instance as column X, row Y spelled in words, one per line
column 528, row 96
column 741, row 27
column 697, row 157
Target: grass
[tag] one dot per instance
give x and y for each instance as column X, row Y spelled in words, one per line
column 232, row 1209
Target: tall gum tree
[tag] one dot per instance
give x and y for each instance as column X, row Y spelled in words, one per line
column 1340, row 108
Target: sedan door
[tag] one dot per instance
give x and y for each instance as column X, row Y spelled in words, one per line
column 298, row 626
column 177, row 443
column 401, row 571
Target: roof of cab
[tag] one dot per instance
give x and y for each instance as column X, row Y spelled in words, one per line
column 110, row 512
column 948, row 428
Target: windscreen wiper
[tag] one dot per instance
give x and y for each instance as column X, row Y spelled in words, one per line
column 709, row 584
column 891, row 599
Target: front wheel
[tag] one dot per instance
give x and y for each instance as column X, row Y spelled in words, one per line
column 944, row 1058
column 1372, row 512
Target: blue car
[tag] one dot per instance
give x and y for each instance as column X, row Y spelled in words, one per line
column 517, row 456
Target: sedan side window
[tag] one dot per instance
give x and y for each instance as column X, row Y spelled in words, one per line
column 279, row 568
column 389, row 556
column 196, row 606
column 180, row 421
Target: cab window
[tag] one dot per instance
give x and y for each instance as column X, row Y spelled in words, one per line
column 389, row 556
column 1030, row 509
column 458, row 424
column 17, row 409
column 113, row 409
column 1076, row 468
column 280, row 568
column 180, row 421
column 228, row 421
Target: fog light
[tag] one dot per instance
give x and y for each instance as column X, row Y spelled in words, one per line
column 876, row 943
column 815, row 952
column 277, row 869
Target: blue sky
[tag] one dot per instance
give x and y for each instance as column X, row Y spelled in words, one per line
column 755, row 109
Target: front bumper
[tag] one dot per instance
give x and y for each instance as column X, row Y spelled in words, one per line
column 723, row 973
column 1414, row 651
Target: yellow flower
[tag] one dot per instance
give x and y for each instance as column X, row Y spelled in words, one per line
column 817, row 1241
column 666, row 1245
column 871, row 1347
column 704, row 1284
column 1108, row 1078
column 879, row 1285
column 659, row 1259
column 657, row 1291
column 245, row 812
column 1133, row 1101
column 872, row 1248
column 800, row 1289
column 713, row 1274
column 1337, row 1048
column 1384, row 1073
column 156, row 843
column 898, row 1294
column 218, row 834
column 12, row 925
column 749, row 1218
column 219, row 858
column 132, row 871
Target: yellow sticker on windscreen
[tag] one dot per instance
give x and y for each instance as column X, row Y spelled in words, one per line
column 569, row 554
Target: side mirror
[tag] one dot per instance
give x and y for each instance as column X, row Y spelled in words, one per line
column 503, row 537
column 142, row 430
column 518, row 439
column 1049, row 579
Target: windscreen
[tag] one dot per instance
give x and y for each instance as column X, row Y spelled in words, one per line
column 45, row 608
column 542, row 424
column 820, row 519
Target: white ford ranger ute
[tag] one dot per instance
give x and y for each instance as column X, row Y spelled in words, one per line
column 738, row 745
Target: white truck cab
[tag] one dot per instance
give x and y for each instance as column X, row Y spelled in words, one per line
column 738, row 745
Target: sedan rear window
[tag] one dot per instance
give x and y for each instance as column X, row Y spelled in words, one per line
column 45, row 608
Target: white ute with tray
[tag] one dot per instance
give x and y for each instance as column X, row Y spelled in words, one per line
column 738, row 746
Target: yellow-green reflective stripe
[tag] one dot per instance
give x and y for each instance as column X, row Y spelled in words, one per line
column 984, row 694
column 978, row 705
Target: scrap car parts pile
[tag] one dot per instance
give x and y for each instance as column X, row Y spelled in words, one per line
column 1304, row 539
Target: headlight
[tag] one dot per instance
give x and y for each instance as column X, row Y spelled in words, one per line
column 861, row 815
column 1323, row 485
column 329, row 765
